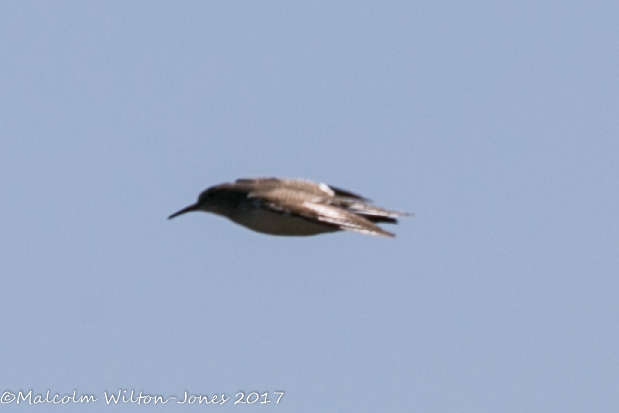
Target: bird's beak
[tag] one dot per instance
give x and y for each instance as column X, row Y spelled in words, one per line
column 190, row 208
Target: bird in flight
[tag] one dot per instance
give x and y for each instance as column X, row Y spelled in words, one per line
column 293, row 207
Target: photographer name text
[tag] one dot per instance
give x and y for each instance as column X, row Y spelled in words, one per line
column 126, row 396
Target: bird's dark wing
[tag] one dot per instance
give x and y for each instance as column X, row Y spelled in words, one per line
column 293, row 203
column 316, row 188
column 347, row 194
column 300, row 185
column 346, row 220
column 367, row 210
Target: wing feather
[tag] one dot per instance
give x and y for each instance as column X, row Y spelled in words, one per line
column 316, row 209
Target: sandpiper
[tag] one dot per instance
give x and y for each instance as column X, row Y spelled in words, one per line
column 278, row 206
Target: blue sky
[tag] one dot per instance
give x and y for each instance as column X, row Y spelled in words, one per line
column 495, row 123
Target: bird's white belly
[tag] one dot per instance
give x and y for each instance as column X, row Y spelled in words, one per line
column 275, row 223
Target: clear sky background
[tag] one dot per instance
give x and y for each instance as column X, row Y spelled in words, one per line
column 496, row 123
